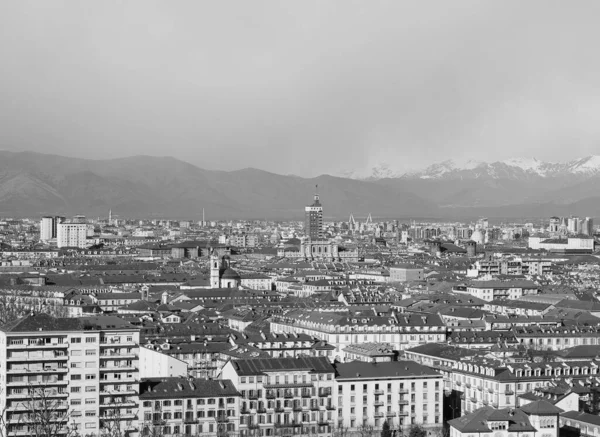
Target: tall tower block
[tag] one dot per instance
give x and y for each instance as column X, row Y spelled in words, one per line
column 313, row 218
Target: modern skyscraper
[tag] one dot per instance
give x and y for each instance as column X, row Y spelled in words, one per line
column 313, row 220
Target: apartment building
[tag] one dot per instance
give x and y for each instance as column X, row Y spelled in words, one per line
column 405, row 273
column 494, row 290
column 83, row 372
column 537, row 419
column 403, row 331
column 188, row 406
column 71, row 235
column 284, row 396
column 494, row 381
column 558, row 337
column 399, row 392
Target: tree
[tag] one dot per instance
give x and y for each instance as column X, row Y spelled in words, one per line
column 417, row 430
column 45, row 415
column 385, row 430
column 366, row 430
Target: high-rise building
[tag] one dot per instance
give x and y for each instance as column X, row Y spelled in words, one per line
column 46, row 228
column 50, row 366
column 71, row 235
column 49, row 227
column 313, row 221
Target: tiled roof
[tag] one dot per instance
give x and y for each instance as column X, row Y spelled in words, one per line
column 261, row 365
column 177, row 388
column 365, row 370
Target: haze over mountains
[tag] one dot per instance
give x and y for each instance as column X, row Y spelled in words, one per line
column 33, row 184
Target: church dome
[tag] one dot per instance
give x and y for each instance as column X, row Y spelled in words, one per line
column 478, row 237
column 230, row 274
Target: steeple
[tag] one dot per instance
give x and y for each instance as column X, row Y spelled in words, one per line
column 317, row 202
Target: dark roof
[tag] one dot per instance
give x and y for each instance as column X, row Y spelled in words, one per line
column 476, row 422
column 582, row 417
column 259, row 366
column 365, row 370
column 541, row 408
column 177, row 388
column 45, row 322
column 230, row 274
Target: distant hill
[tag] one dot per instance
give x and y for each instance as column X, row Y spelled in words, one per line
column 142, row 186
column 33, row 184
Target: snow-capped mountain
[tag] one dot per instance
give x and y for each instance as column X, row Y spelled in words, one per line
column 515, row 168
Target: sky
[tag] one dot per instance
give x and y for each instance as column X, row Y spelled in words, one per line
column 303, row 87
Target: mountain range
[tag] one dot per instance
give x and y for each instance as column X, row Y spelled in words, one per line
column 33, row 184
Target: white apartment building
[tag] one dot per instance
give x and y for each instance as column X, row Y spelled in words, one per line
column 46, row 228
column 83, row 371
column 284, row 396
column 399, row 392
column 71, row 235
column 403, row 331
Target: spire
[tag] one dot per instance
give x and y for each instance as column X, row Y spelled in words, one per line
column 317, row 202
column 369, row 219
column 351, row 219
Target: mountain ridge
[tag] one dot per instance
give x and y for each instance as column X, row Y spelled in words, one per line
column 33, row 184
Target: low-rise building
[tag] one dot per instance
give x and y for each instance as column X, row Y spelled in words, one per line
column 188, row 406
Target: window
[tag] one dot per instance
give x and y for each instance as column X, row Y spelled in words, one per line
column 75, row 401
column 90, row 352
column 75, row 377
column 75, row 389
column 90, row 389
column 76, row 340
column 90, row 376
column 90, row 339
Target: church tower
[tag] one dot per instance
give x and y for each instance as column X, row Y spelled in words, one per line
column 215, row 270
column 313, row 219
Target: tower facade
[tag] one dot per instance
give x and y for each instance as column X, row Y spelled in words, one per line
column 215, row 271
column 313, row 219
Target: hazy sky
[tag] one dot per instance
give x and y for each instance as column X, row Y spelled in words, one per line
column 302, row 87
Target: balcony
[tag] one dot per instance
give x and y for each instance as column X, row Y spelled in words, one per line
column 474, row 400
column 330, row 407
column 261, row 410
column 403, row 391
column 298, row 408
column 458, row 383
column 391, row 414
column 288, row 385
column 306, row 394
column 467, row 384
column 36, row 357
column 279, row 409
column 379, row 414
column 130, row 368
column 403, row 413
column 403, row 402
column 270, row 395
column 509, row 392
column 253, row 396
column 189, row 420
column 379, row 392
column 38, row 371
column 39, row 345
column 125, row 403
column 244, row 411
column 323, row 422
column 117, row 393
column 480, row 388
column 325, row 392
column 288, row 395
column 158, row 421
column 314, row 407
column 222, row 419
column 124, row 355
column 378, row 403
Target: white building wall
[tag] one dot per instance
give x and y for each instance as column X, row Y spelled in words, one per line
column 154, row 364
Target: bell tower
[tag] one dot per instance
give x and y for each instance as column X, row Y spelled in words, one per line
column 215, row 270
